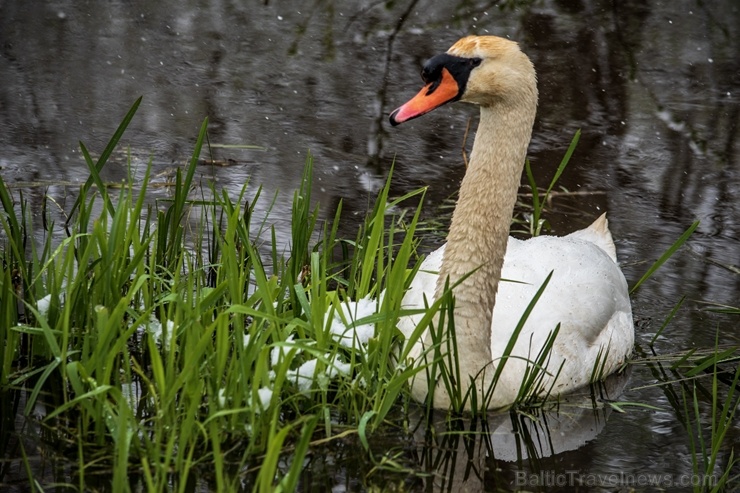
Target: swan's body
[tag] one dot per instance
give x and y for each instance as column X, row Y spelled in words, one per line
column 587, row 294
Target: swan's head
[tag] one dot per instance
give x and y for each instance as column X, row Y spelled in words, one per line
column 485, row 70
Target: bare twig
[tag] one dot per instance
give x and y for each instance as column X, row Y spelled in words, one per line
column 464, row 142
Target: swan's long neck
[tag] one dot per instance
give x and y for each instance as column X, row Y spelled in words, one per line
column 480, row 229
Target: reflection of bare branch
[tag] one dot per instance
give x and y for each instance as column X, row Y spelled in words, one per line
column 704, row 257
column 688, row 141
column 630, row 46
column 710, row 15
column 42, row 184
column 361, row 13
column 555, row 193
column 375, row 139
column 464, row 11
column 303, row 27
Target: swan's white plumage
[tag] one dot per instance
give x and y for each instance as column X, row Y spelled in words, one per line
column 587, row 295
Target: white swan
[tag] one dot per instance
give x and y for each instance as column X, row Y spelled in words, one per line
column 587, row 294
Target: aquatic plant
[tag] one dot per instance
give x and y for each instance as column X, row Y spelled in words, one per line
column 156, row 356
column 153, row 350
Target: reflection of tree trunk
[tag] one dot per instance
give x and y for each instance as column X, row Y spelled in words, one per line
column 722, row 219
column 377, row 134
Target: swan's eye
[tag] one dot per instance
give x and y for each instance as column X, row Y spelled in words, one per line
column 458, row 67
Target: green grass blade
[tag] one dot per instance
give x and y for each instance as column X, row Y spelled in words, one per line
column 103, row 159
column 563, row 163
column 667, row 321
column 668, row 254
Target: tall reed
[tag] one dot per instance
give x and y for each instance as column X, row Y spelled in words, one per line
column 165, row 353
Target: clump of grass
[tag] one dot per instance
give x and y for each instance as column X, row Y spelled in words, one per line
column 167, row 356
column 707, row 441
column 707, row 410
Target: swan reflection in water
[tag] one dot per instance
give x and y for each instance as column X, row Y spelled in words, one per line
column 514, row 450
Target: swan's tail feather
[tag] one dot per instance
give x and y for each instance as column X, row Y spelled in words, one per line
column 599, row 234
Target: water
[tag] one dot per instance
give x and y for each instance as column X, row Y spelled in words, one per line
column 654, row 86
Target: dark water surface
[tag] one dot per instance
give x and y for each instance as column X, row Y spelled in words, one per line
column 654, row 86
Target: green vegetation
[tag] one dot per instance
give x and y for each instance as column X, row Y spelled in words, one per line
column 157, row 357
column 154, row 353
column 706, row 442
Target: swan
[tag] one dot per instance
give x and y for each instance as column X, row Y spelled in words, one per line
column 587, row 293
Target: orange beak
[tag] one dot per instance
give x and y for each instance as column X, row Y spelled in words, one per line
column 432, row 96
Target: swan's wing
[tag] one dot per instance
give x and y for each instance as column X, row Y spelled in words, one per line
column 587, row 295
column 586, row 289
column 587, row 286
